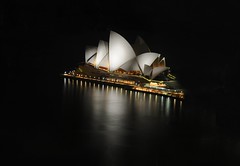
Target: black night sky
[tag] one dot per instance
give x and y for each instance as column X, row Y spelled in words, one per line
column 41, row 39
column 201, row 40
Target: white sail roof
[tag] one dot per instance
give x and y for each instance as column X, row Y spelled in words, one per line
column 146, row 59
column 92, row 60
column 120, row 54
column 102, row 51
column 162, row 62
column 89, row 52
column 120, row 51
column 131, row 65
column 147, row 70
column 104, row 62
column 157, row 70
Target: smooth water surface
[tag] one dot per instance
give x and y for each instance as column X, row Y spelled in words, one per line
column 74, row 122
column 112, row 126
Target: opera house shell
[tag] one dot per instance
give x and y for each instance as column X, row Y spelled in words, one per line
column 133, row 67
column 118, row 54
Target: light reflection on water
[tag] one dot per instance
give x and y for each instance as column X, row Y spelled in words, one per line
column 113, row 117
column 116, row 100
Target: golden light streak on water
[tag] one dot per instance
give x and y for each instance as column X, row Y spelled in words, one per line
column 102, row 87
column 162, row 103
column 167, row 107
column 150, row 101
column 130, row 95
column 144, row 97
column 64, row 81
column 180, row 107
column 174, row 104
column 156, row 103
column 138, row 95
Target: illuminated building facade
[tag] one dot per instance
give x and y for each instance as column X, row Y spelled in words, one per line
column 133, row 67
column 118, row 54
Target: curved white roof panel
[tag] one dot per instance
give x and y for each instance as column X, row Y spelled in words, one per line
column 104, row 62
column 146, row 59
column 147, row 70
column 92, row 60
column 131, row 65
column 162, row 62
column 89, row 52
column 120, row 51
column 157, row 70
column 102, row 51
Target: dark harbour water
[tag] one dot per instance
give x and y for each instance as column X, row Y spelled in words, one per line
column 57, row 121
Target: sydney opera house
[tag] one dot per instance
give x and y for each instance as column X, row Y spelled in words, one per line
column 135, row 67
